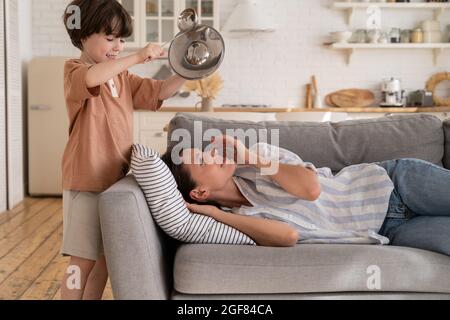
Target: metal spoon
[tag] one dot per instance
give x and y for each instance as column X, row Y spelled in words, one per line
column 187, row 21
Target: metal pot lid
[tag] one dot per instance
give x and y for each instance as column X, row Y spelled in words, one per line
column 198, row 53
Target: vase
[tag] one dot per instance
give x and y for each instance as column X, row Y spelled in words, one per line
column 207, row 105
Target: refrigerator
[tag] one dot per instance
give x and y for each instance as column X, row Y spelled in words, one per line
column 48, row 125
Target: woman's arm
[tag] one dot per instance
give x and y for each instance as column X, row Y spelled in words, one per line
column 171, row 86
column 295, row 179
column 264, row 232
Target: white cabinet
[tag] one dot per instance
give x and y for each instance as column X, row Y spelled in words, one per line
column 149, row 129
column 156, row 20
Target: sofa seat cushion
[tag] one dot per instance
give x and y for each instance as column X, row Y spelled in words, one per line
column 219, row 269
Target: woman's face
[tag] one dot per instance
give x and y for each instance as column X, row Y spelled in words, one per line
column 207, row 169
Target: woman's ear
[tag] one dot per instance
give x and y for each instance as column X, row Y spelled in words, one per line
column 200, row 195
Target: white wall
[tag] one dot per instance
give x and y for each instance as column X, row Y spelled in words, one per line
column 26, row 53
column 273, row 68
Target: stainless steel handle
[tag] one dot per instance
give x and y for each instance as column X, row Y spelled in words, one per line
column 40, row 107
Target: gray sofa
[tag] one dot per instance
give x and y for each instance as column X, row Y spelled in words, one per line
column 143, row 263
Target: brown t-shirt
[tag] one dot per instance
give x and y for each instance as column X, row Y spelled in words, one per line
column 98, row 152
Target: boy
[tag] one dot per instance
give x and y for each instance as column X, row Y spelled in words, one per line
column 100, row 96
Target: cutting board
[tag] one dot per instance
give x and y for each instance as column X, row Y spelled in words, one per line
column 351, row 98
column 329, row 102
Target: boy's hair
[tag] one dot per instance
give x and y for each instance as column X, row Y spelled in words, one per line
column 97, row 16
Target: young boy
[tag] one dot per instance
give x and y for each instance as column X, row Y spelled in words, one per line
column 100, row 96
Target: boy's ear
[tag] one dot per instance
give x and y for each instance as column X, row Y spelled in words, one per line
column 200, row 195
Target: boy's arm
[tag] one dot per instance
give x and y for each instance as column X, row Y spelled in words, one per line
column 102, row 72
column 264, row 232
column 171, row 86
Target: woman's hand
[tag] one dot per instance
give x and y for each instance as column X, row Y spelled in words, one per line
column 150, row 52
column 205, row 210
column 241, row 154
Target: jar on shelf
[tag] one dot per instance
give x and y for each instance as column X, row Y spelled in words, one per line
column 417, row 35
column 361, row 36
column 405, row 36
column 394, row 35
column 384, row 37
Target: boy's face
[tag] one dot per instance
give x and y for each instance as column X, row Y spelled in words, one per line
column 101, row 47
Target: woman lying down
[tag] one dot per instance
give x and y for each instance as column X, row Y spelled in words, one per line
column 403, row 202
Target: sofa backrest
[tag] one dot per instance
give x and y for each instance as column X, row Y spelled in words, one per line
column 340, row 144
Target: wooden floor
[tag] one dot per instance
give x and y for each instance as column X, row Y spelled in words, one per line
column 31, row 267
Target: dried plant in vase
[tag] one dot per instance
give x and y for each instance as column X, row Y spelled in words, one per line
column 208, row 89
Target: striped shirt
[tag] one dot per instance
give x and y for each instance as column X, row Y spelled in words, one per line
column 351, row 208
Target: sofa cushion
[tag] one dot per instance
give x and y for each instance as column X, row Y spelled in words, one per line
column 447, row 143
column 215, row 269
column 340, row 144
column 168, row 207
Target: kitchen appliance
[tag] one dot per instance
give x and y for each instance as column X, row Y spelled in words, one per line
column 392, row 94
column 421, row 98
column 48, row 125
column 198, row 50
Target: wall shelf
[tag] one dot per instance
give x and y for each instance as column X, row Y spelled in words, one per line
column 437, row 48
column 350, row 7
column 176, row 109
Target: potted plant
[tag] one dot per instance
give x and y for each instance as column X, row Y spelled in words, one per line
column 208, row 89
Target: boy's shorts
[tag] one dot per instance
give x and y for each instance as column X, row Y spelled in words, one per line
column 82, row 236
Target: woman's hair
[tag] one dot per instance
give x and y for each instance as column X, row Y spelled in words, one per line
column 183, row 178
column 97, row 16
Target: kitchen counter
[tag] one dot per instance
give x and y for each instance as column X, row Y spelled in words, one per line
column 276, row 110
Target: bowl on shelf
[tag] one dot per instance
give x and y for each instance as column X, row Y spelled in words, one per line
column 341, row 36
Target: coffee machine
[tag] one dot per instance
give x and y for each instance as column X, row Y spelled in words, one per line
column 392, row 94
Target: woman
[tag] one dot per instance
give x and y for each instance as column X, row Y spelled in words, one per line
column 403, row 202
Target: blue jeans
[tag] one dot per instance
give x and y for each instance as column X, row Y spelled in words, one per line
column 419, row 207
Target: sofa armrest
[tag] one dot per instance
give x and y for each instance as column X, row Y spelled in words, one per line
column 139, row 256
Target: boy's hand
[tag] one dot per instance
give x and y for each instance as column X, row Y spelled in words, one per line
column 150, row 52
